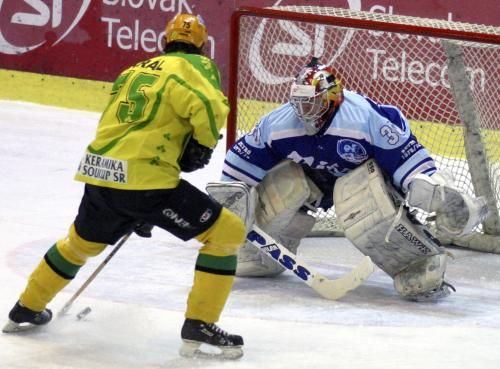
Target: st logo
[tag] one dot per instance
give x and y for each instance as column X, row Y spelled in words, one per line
column 26, row 22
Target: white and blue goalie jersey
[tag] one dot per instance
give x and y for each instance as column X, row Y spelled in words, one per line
column 360, row 129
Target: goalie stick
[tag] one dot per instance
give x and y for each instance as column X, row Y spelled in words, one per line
column 331, row 289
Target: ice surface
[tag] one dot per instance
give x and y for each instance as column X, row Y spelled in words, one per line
column 138, row 300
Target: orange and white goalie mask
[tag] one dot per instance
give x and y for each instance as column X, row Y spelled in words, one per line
column 314, row 95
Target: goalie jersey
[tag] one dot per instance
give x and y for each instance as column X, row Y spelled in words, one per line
column 359, row 130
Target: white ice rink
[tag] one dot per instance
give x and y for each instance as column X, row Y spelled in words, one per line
column 138, row 300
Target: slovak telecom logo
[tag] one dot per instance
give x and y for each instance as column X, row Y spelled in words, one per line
column 46, row 16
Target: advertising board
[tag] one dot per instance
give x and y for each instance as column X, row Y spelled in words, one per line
column 96, row 39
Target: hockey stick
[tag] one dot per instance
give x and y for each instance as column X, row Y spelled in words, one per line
column 331, row 289
column 68, row 304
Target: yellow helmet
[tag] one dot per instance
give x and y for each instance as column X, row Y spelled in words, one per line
column 187, row 28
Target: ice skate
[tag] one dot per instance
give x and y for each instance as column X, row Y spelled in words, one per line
column 22, row 319
column 207, row 340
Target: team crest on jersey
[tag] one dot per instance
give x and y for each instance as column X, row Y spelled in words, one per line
column 351, row 151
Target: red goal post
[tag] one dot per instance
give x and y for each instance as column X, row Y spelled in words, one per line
column 443, row 75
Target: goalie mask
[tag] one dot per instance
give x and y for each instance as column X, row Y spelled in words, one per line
column 187, row 28
column 314, row 95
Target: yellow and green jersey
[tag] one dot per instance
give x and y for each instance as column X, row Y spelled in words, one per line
column 154, row 109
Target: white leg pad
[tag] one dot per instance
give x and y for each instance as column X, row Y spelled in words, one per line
column 283, row 191
column 254, row 263
column 423, row 280
column 366, row 210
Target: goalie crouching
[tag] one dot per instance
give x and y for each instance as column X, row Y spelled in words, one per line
column 331, row 145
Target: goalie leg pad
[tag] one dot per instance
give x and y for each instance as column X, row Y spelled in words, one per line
column 275, row 202
column 254, row 263
column 423, row 280
column 282, row 192
column 366, row 210
column 298, row 228
column 242, row 200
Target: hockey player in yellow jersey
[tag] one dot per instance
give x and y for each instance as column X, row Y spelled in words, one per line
column 163, row 118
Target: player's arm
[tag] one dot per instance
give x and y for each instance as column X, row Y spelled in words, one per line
column 199, row 99
column 395, row 149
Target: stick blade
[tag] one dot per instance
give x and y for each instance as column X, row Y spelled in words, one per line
column 64, row 310
column 334, row 289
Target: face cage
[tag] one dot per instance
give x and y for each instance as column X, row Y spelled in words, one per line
column 310, row 110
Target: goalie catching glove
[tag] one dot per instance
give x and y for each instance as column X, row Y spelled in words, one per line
column 195, row 156
column 456, row 214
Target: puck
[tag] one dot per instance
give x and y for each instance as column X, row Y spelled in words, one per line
column 82, row 314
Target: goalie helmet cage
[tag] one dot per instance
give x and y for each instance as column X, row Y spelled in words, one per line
column 443, row 76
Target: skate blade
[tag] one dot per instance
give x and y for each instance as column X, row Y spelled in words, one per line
column 13, row 327
column 192, row 349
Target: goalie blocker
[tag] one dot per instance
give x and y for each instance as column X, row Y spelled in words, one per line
column 397, row 243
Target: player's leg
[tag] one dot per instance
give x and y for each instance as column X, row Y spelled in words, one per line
column 95, row 221
column 58, row 267
column 189, row 213
column 213, row 279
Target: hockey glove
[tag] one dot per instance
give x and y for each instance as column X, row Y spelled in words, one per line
column 457, row 214
column 195, row 156
column 143, row 230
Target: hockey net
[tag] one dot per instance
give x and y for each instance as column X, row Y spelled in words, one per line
column 443, row 76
